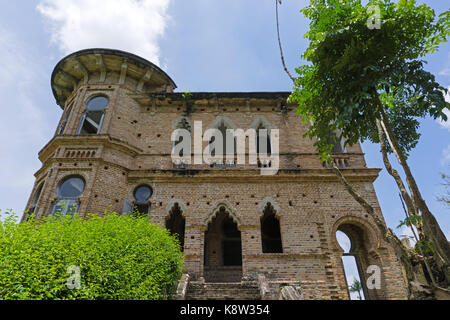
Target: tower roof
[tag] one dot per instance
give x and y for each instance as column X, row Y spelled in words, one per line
column 82, row 65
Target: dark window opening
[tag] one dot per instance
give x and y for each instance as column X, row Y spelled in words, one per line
column 180, row 140
column 92, row 120
column 223, row 242
column 232, row 252
column 270, row 231
column 338, row 144
column 231, row 243
column 263, row 144
column 223, row 130
column 182, row 124
column 176, row 224
column 141, row 209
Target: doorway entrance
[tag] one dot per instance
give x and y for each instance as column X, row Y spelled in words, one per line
column 223, row 250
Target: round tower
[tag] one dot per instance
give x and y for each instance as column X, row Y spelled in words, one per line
column 97, row 131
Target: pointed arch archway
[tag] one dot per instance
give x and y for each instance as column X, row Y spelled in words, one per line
column 222, row 124
column 223, row 245
column 263, row 141
column 270, row 227
column 175, row 220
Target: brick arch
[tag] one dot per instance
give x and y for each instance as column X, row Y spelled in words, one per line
column 228, row 208
column 96, row 94
column 172, row 203
column 273, row 203
column 262, row 120
column 58, row 181
column 132, row 187
column 367, row 227
column 226, row 120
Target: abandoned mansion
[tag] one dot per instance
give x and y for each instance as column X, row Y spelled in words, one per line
column 250, row 233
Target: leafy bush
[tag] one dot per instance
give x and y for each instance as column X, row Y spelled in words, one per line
column 118, row 257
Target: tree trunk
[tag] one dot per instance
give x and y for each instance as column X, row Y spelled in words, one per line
column 431, row 227
column 412, row 210
column 409, row 203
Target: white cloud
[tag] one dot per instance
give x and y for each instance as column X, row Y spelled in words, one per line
column 130, row 25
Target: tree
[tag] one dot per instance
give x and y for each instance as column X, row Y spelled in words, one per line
column 368, row 83
column 356, row 287
column 110, row 257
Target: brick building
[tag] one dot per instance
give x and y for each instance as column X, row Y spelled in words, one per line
column 112, row 149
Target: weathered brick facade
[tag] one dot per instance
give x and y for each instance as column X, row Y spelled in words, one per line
column 134, row 148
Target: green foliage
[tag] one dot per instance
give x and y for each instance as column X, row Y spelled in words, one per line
column 413, row 220
column 351, row 64
column 356, row 287
column 424, row 247
column 119, row 257
column 186, row 95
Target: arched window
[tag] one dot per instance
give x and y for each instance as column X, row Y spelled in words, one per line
column 338, row 143
column 68, row 192
column 270, row 231
column 92, row 120
column 360, row 265
column 175, row 223
column 142, row 196
column 32, row 208
column 263, row 143
column 227, row 144
column 180, row 146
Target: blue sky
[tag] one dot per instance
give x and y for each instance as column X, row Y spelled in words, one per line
column 203, row 45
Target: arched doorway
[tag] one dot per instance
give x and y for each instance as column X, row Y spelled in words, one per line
column 223, row 249
column 175, row 223
column 270, row 231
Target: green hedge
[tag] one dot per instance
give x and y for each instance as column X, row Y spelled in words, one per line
column 118, row 257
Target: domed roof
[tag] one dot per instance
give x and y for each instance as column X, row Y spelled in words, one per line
column 82, row 65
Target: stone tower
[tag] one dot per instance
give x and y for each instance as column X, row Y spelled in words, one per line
column 112, row 149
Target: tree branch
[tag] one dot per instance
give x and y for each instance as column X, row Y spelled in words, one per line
column 279, row 44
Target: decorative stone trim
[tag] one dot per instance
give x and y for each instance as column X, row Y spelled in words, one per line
column 228, row 208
